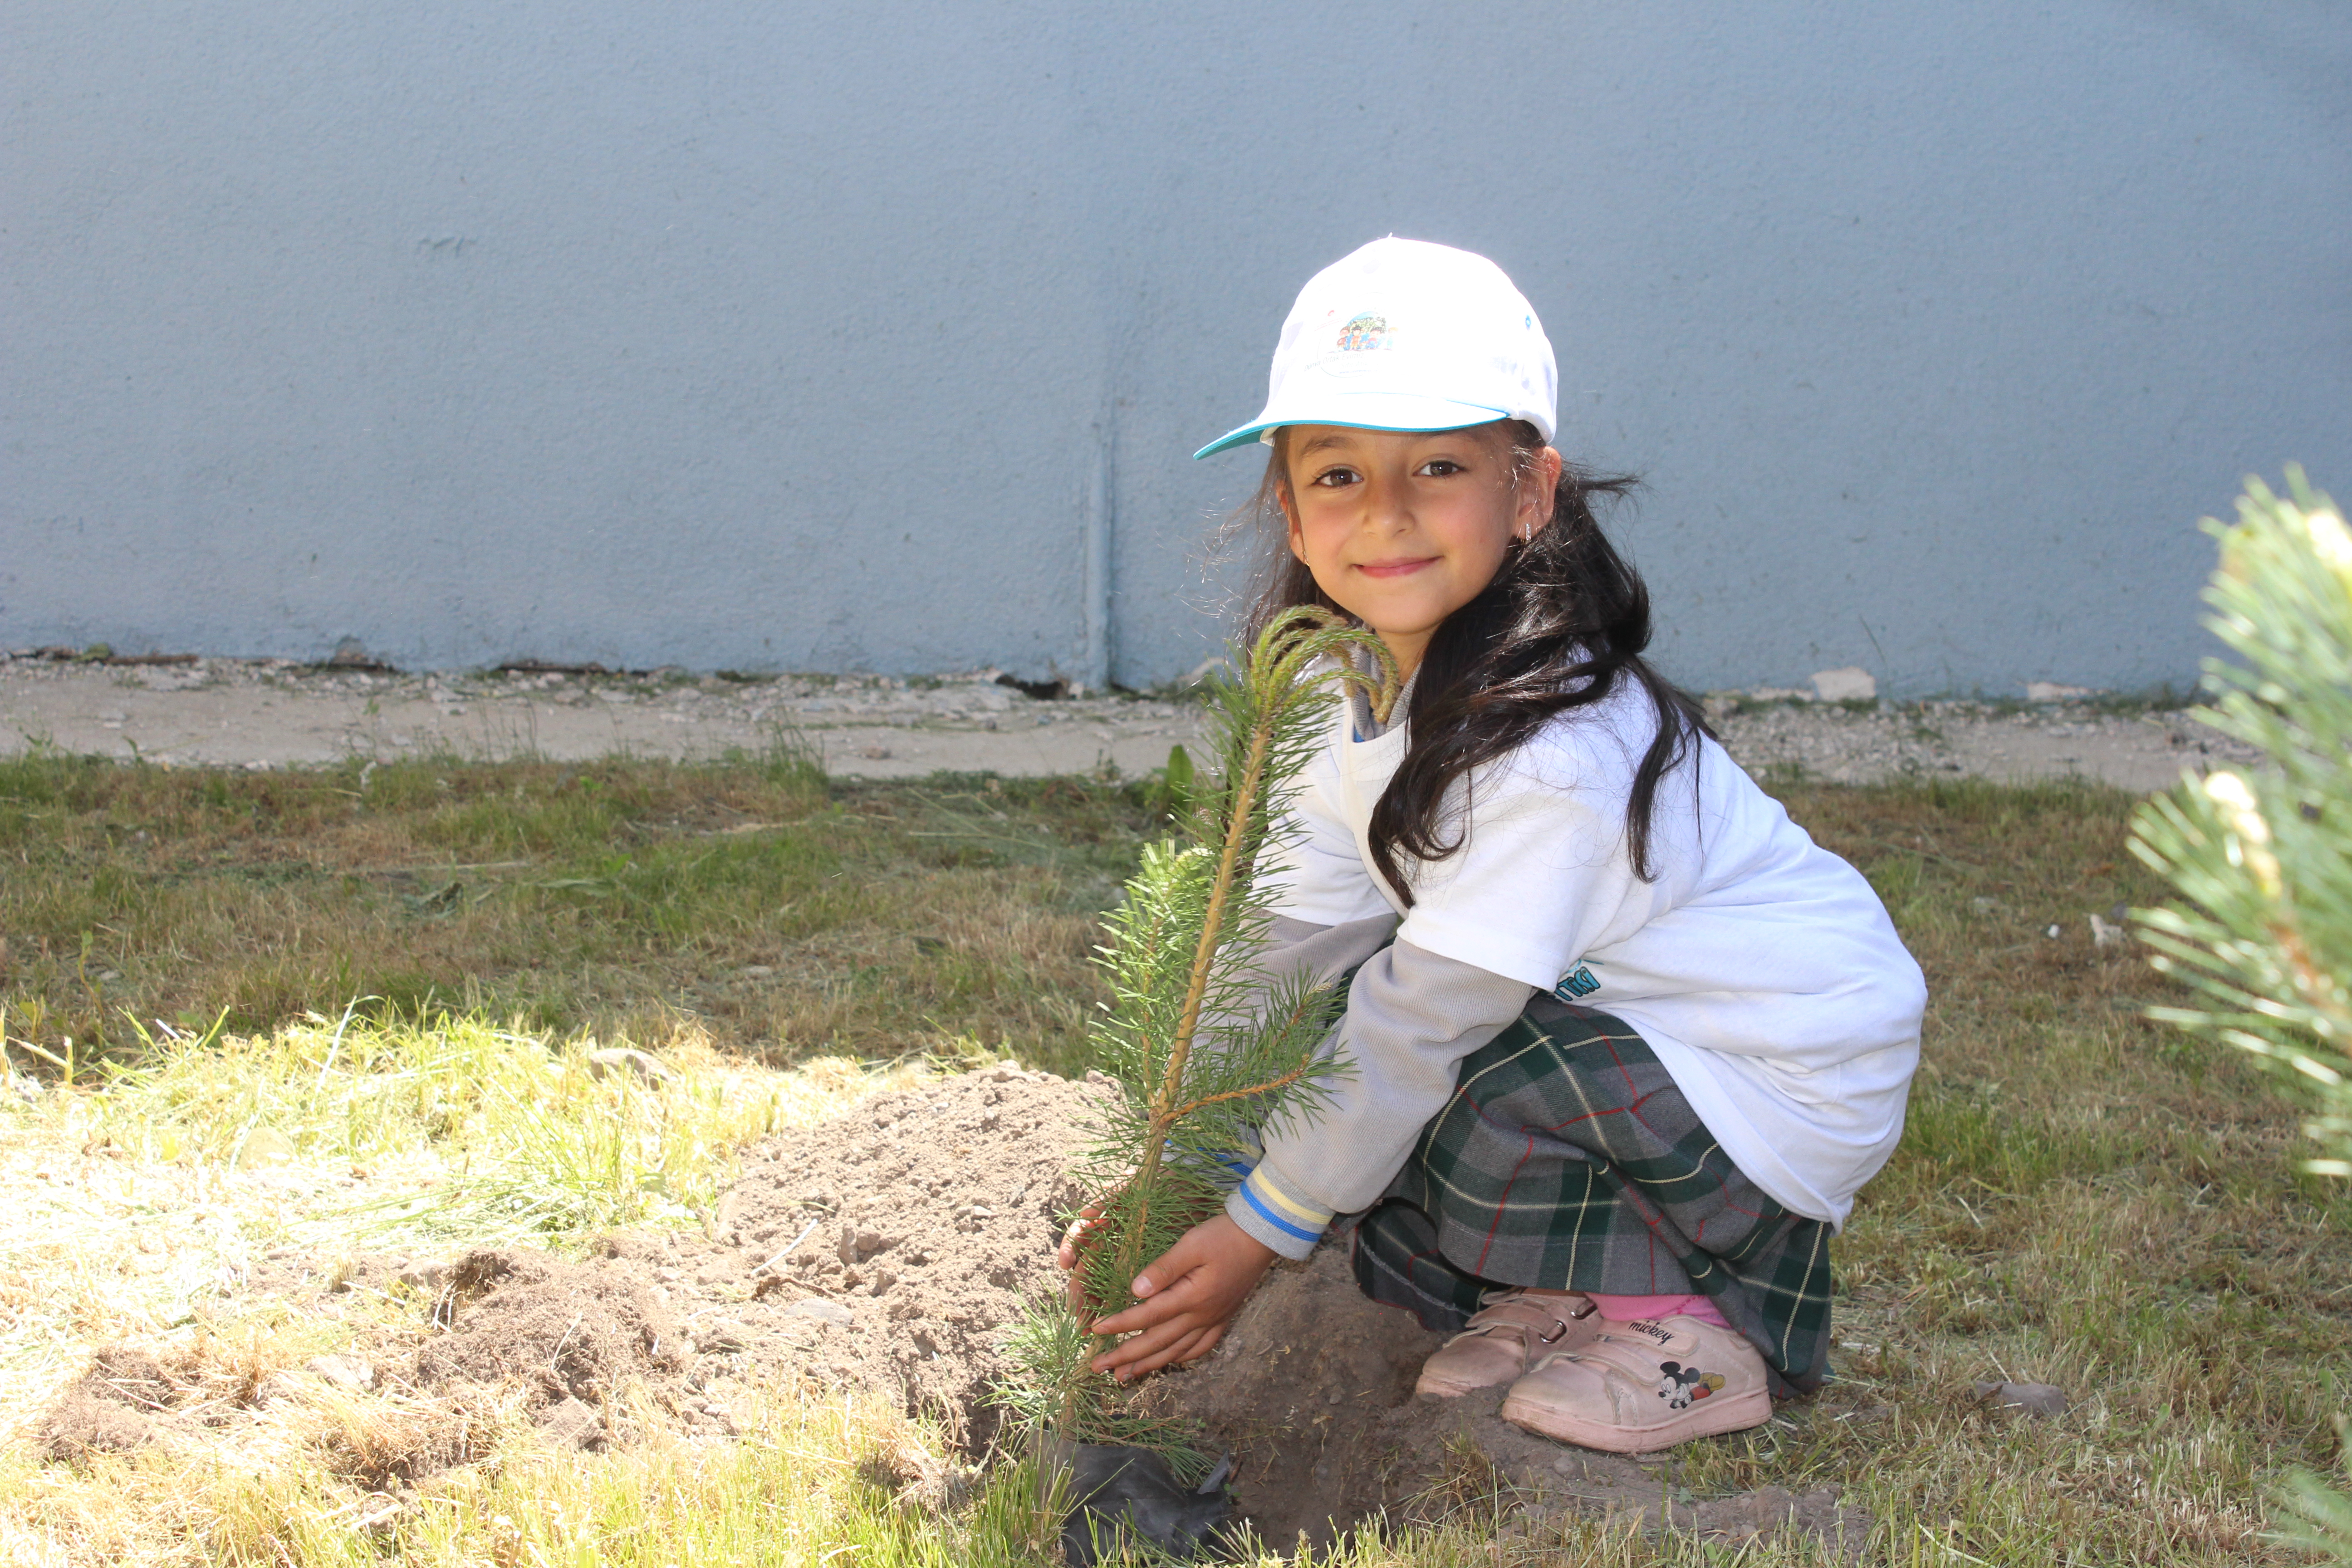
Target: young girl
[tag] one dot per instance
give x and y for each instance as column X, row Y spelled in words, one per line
column 1625, row 1041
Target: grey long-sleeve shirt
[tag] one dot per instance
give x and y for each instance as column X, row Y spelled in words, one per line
column 1412, row 1016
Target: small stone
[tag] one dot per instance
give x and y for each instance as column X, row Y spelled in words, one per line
column 1849, row 684
column 278, row 1388
column 723, row 1338
column 571, row 1424
column 345, row 1372
column 823, row 1310
column 2038, row 1399
column 264, row 1147
column 759, row 970
column 846, row 1249
column 1985, row 906
column 429, row 1275
column 883, row 1280
column 620, row 1059
column 2105, row 936
column 870, row 1242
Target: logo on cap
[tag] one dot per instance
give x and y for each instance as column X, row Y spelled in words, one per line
column 1364, row 332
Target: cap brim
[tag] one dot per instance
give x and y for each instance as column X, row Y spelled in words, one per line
column 1364, row 411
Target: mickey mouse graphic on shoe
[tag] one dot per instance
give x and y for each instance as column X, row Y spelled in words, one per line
column 1684, row 1386
column 1641, row 1386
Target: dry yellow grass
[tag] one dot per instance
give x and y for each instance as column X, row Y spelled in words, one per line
column 141, row 1213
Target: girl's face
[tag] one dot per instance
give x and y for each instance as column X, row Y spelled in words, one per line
column 1403, row 528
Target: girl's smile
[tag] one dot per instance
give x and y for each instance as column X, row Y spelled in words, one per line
column 1396, row 568
column 1401, row 528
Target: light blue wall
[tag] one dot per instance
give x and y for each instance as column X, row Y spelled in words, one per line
column 804, row 337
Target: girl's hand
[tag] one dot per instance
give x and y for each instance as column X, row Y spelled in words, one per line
column 1187, row 1297
column 1079, row 1236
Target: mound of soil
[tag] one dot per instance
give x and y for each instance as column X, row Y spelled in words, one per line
column 569, row 1335
column 894, row 1246
column 1300, row 1392
column 112, row 1408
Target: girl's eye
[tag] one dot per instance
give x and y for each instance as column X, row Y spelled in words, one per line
column 1441, row 468
column 1332, row 479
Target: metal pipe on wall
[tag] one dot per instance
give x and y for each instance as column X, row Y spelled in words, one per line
column 1096, row 670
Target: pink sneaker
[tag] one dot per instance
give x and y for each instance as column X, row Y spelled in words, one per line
column 1501, row 1338
column 1637, row 1388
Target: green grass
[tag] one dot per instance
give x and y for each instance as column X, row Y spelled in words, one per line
column 782, row 916
column 2081, row 1197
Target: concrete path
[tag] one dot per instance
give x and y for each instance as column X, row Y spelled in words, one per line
column 260, row 714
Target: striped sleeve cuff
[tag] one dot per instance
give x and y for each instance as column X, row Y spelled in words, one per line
column 1281, row 1220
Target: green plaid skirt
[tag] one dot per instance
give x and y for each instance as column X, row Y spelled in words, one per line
column 1568, row 1160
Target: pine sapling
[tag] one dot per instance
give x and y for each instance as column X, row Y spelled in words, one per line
column 1202, row 1048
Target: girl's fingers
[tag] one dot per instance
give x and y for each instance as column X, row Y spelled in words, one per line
column 1145, row 1351
column 1151, row 1312
column 1080, row 1234
column 1075, row 1288
column 1192, row 1347
column 1145, row 1331
column 1154, row 1324
column 1179, row 1351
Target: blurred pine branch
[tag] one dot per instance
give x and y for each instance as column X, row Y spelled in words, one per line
column 2263, row 859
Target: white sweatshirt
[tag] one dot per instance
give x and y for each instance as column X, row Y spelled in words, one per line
column 1760, row 968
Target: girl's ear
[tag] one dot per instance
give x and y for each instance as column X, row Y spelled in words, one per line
column 1539, row 487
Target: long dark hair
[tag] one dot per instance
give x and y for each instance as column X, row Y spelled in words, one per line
column 1564, row 619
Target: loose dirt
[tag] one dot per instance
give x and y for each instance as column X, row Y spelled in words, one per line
column 1312, row 1392
column 890, row 1250
column 113, row 1407
column 895, row 1247
column 570, row 1337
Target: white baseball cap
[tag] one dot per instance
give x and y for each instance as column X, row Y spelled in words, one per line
column 1407, row 335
